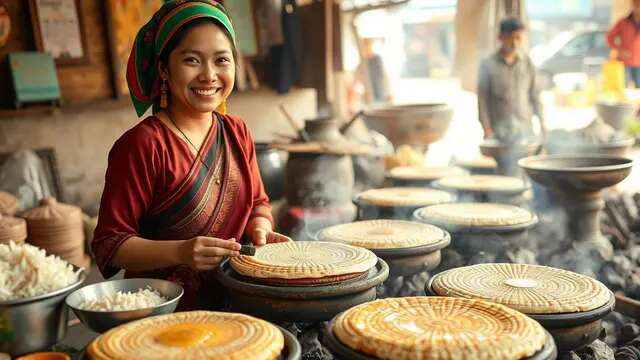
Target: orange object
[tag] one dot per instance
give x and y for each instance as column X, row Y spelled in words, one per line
column 45, row 356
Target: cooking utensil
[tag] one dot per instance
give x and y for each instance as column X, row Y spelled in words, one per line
column 101, row 321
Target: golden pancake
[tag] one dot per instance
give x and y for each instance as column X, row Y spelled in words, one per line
column 496, row 183
column 531, row 289
column 383, row 234
column 304, row 259
column 438, row 328
column 403, row 196
column 475, row 214
column 190, row 335
column 424, row 172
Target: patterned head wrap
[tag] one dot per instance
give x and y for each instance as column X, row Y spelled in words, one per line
column 142, row 69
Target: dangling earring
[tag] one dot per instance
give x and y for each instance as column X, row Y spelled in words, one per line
column 222, row 108
column 163, row 94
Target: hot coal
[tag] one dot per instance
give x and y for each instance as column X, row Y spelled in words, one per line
column 597, row 350
column 308, row 336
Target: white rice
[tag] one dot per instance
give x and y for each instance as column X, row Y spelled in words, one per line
column 26, row 271
column 122, row 301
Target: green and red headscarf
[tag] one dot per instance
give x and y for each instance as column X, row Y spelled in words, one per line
column 142, row 69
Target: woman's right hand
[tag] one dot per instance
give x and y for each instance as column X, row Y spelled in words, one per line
column 205, row 253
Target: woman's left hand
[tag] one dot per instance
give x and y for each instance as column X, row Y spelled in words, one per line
column 260, row 232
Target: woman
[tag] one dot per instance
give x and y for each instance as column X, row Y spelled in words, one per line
column 182, row 187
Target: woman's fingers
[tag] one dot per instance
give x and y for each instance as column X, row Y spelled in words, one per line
column 274, row 237
column 230, row 244
column 259, row 237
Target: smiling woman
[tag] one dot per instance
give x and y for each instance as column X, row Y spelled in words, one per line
column 182, row 187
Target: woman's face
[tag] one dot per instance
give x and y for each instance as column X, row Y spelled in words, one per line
column 201, row 70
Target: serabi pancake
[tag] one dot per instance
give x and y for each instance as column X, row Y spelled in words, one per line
column 438, row 328
column 475, row 214
column 531, row 289
column 383, row 234
column 304, row 260
column 403, row 196
column 190, row 335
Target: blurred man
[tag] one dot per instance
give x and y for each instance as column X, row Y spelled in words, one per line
column 372, row 75
column 507, row 93
column 623, row 38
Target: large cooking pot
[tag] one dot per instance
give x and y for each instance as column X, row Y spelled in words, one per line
column 271, row 164
column 36, row 323
column 318, row 180
column 415, row 124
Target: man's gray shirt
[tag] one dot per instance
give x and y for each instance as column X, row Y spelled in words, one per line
column 508, row 96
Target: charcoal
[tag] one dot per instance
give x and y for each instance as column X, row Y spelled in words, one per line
column 390, row 288
column 569, row 356
column 623, row 264
column 628, row 332
column 634, row 254
column 612, row 279
column 627, row 353
column 633, row 285
column 450, row 259
column 312, row 349
column 597, row 350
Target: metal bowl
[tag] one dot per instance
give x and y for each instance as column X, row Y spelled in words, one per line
column 37, row 322
column 415, row 124
column 342, row 352
column 577, row 173
column 101, row 321
column 614, row 148
column 615, row 113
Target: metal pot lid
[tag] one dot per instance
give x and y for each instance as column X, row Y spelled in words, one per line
column 51, row 212
column 531, row 289
column 483, row 183
column 383, row 234
column 403, row 196
column 304, row 260
column 192, row 334
column 475, row 214
column 424, row 172
column 439, row 327
column 8, row 203
column 314, row 147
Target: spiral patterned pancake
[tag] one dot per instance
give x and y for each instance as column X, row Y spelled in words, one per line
column 190, row 335
column 304, row 259
column 496, row 183
column 383, row 234
column 438, row 328
column 475, row 214
column 404, row 196
column 531, row 289
column 424, row 172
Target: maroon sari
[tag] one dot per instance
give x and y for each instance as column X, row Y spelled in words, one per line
column 155, row 188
